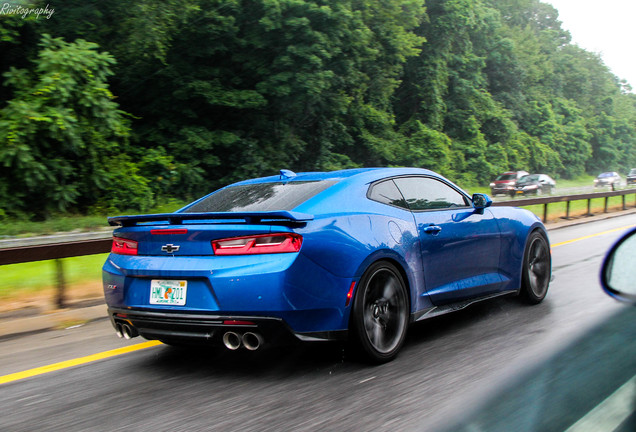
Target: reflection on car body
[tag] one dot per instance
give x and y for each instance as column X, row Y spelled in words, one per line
column 351, row 255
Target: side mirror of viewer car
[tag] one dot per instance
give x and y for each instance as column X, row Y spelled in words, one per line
column 618, row 273
column 481, row 201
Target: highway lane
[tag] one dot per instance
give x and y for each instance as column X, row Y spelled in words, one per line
column 448, row 364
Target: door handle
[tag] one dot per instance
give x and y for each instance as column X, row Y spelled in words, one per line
column 432, row 229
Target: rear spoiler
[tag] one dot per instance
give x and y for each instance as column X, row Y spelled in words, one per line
column 270, row 217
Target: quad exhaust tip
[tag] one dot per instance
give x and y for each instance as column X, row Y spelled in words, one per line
column 232, row 341
column 118, row 330
column 249, row 340
column 125, row 331
column 129, row 332
column 252, row 341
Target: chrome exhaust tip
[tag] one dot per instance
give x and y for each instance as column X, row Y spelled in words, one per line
column 252, row 341
column 232, row 341
column 128, row 331
column 118, row 331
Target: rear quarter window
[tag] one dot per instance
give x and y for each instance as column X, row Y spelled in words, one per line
column 387, row 192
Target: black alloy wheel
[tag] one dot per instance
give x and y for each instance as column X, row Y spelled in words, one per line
column 537, row 268
column 380, row 313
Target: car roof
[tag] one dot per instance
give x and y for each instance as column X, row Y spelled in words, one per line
column 349, row 191
column 358, row 174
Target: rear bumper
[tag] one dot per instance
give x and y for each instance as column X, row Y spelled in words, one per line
column 286, row 287
column 209, row 328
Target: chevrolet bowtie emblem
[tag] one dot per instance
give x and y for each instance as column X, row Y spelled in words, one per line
column 170, row 248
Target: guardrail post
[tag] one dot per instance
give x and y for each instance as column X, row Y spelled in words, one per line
column 606, row 201
column 545, row 213
column 567, row 209
column 589, row 207
column 60, row 299
column 623, row 199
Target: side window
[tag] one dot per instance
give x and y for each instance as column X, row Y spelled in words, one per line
column 387, row 193
column 423, row 193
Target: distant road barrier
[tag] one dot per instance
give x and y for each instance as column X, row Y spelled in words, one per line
column 568, row 199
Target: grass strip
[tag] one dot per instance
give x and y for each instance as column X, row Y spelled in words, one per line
column 18, row 279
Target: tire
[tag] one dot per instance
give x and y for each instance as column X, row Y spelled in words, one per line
column 380, row 313
column 537, row 269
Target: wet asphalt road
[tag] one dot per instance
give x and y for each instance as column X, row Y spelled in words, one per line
column 448, row 365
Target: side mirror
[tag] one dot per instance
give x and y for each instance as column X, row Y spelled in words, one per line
column 618, row 274
column 481, row 201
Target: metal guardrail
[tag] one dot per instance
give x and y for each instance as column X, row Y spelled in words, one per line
column 568, row 199
column 15, row 251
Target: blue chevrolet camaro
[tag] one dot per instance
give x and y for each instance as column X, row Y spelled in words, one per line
column 352, row 255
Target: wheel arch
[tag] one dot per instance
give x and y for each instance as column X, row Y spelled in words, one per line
column 400, row 265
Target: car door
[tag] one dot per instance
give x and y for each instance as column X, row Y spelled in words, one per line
column 460, row 245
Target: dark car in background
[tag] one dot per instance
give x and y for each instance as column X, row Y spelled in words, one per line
column 534, row 184
column 631, row 177
column 505, row 183
column 610, row 178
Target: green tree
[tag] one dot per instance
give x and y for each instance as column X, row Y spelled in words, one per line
column 62, row 134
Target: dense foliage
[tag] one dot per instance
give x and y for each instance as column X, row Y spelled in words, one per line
column 111, row 104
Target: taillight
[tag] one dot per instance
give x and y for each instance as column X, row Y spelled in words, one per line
column 258, row 244
column 124, row 246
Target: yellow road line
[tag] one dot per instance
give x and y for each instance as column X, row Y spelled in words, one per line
column 75, row 362
column 119, row 351
column 592, row 235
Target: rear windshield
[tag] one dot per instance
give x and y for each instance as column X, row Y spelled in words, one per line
column 260, row 197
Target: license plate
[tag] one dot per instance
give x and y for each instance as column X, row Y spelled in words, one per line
column 168, row 292
column 519, row 192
